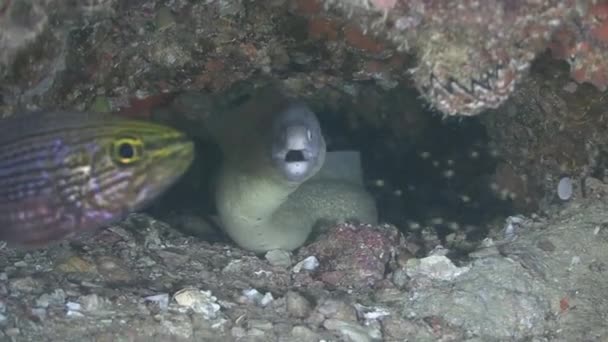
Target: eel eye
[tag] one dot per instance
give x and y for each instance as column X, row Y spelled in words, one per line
column 127, row 151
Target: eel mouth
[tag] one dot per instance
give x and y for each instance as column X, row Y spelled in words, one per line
column 298, row 146
column 294, row 156
column 296, row 165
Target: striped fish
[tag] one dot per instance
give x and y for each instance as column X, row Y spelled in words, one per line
column 66, row 172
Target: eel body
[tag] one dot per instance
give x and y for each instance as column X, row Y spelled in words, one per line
column 65, row 172
column 277, row 182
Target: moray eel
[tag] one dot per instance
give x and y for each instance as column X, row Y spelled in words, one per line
column 67, row 172
column 277, row 182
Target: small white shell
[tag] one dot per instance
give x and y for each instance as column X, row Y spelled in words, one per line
column 564, row 188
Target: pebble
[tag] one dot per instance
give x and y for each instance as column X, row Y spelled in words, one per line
column 76, row 264
column 279, row 258
column 199, row 301
column 20, row 263
column 546, row 245
column 11, row 332
column 25, row 284
column 91, row 303
column 565, row 188
column 351, row 331
column 113, row 269
column 259, row 324
column 47, row 299
column 371, row 313
column 309, row 264
column 255, row 332
column 302, row 333
column 400, row 278
column 337, row 309
column 238, row 332
column 162, row 300
column 39, row 312
column 73, row 309
column 434, row 267
column 297, row 305
column 255, row 297
column 178, row 328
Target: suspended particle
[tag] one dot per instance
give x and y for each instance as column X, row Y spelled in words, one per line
column 448, row 173
column 474, row 155
column 453, row 226
column 435, row 163
column 414, row 225
column 425, row 155
column 465, row 198
column 436, row 221
column 379, row 183
column 398, row 192
column 450, row 162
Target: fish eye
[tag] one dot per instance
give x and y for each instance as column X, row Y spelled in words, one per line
column 127, row 150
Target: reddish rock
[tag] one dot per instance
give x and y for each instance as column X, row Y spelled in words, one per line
column 355, row 256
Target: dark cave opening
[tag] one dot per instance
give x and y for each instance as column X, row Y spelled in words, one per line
column 439, row 181
column 442, row 180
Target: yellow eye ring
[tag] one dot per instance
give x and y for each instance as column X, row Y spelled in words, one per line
column 127, row 150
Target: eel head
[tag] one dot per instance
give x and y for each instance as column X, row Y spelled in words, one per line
column 298, row 146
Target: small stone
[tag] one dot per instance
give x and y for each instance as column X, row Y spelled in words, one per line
column 297, row 305
column 279, row 258
column 55, row 298
column 255, row 332
column 546, row 245
column 91, row 303
column 20, row 264
column 337, row 309
column 348, row 330
column 12, row 332
column 260, row 324
column 371, row 313
column 238, row 332
column 173, row 259
column 25, row 284
column 73, row 306
column 73, row 309
column 309, row 264
column 302, row 333
column 201, row 302
column 400, row 278
column 162, row 300
column 113, row 269
column 565, row 188
column 178, row 328
column 164, row 19
column 255, row 297
column 39, row 312
column 434, row 267
column 76, row 264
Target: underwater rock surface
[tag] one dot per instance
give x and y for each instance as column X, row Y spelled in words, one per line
column 543, row 278
column 142, row 279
